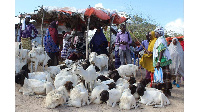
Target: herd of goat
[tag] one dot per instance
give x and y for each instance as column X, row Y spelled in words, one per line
column 82, row 82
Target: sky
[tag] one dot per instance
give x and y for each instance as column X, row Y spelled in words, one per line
column 167, row 13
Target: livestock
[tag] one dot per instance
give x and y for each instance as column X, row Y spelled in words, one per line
column 89, row 75
column 127, row 100
column 114, row 97
column 101, row 61
column 78, row 96
column 127, row 70
column 153, row 96
column 95, row 95
column 56, row 97
column 38, row 55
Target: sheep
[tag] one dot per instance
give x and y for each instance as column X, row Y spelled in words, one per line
column 89, row 75
column 68, row 62
column 78, row 96
column 127, row 100
column 56, row 97
column 127, row 70
column 61, row 80
column 19, row 64
column 42, row 76
column 101, row 61
column 153, row 96
column 114, row 75
column 95, row 95
column 114, row 97
column 33, row 86
column 122, row 84
column 19, row 77
column 53, row 70
column 38, row 55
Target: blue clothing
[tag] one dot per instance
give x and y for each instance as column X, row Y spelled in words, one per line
column 99, row 43
column 145, row 43
column 49, row 44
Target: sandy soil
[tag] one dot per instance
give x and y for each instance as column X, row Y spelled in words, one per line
column 36, row 104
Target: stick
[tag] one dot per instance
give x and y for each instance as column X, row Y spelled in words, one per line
column 139, row 42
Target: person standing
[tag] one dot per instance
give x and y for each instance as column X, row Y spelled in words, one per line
column 25, row 36
column 161, row 57
column 51, row 43
column 177, row 55
column 99, row 42
column 124, row 40
column 147, row 58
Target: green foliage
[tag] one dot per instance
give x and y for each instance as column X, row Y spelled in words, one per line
column 140, row 26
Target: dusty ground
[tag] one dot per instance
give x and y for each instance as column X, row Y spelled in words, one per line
column 35, row 104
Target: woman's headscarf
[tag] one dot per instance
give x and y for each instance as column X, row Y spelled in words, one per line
column 152, row 41
column 98, row 38
column 53, row 31
column 159, row 30
column 177, row 56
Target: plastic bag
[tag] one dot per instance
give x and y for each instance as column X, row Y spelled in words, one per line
column 158, row 75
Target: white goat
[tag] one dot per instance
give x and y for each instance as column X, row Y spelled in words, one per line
column 56, row 97
column 33, row 86
column 101, row 61
column 154, row 96
column 127, row 100
column 89, row 75
column 61, row 80
column 38, row 55
column 114, row 97
column 122, row 84
column 78, row 96
column 127, row 70
column 95, row 95
column 53, row 70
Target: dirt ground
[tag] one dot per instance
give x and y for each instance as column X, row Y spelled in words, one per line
column 36, row 104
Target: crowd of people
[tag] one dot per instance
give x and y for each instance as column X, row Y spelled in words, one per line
column 156, row 52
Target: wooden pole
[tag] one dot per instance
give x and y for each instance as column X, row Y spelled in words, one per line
column 139, row 42
column 42, row 32
column 86, row 39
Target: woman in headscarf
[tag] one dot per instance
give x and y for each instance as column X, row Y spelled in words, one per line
column 25, row 36
column 162, row 58
column 147, row 58
column 51, row 43
column 99, row 42
column 177, row 55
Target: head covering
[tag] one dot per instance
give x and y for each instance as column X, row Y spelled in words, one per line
column 53, row 24
column 152, row 41
column 177, row 56
column 147, row 59
column 98, row 39
column 27, row 16
column 23, row 22
column 159, row 30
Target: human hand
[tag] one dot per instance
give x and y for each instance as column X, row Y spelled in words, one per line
column 158, row 65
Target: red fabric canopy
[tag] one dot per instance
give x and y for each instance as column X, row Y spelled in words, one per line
column 118, row 19
column 98, row 13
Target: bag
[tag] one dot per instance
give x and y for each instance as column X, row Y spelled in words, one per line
column 158, row 75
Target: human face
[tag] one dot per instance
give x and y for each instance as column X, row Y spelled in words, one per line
column 149, row 35
column 174, row 42
column 123, row 28
column 157, row 34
